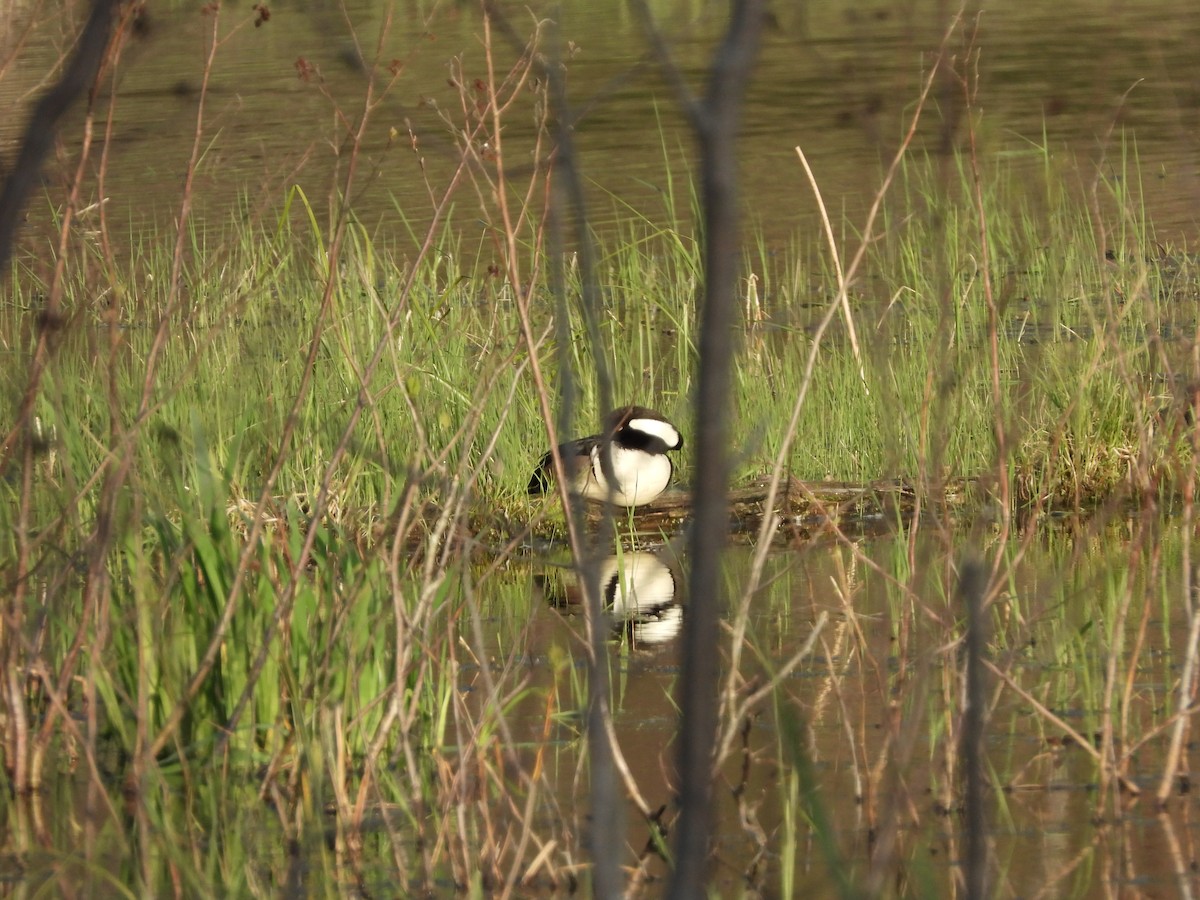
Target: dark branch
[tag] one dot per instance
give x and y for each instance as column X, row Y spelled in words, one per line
column 39, row 133
column 717, row 125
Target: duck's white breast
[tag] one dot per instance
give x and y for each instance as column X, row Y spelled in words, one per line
column 640, row 477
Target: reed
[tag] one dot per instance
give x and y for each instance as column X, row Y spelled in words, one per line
column 264, row 532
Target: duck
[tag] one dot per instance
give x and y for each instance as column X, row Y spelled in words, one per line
column 639, row 439
column 637, row 589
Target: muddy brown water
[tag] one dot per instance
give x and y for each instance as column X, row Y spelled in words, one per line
column 872, row 704
column 1110, row 90
column 1090, row 82
column 871, row 712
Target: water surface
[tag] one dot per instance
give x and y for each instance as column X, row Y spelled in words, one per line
column 877, row 706
column 1108, row 95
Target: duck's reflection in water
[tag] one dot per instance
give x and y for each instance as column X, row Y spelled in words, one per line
column 638, row 590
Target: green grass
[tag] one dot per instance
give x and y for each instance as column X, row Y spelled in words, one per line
column 371, row 666
column 1076, row 388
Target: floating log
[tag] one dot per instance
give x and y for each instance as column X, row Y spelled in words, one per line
column 806, row 506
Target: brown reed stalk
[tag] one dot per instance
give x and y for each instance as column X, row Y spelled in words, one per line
column 970, row 88
column 972, row 587
column 606, row 839
column 155, row 745
column 94, row 601
column 715, row 123
column 495, row 184
column 1190, row 591
column 80, row 74
column 479, row 129
column 840, row 302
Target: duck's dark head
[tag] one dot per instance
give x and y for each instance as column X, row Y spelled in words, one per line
column 642, row 428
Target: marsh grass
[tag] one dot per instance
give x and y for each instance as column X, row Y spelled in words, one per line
column 306, row 660
column 319, row 686
column 1081, row 381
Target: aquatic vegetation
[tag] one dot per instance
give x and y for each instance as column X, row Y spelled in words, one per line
column 280, row 614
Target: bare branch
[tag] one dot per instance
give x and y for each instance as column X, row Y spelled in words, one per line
column 43, row 122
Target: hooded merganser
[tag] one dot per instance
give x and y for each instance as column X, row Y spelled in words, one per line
column 639, row 439
column 637, row 589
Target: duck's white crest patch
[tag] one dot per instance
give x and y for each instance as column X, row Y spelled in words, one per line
column 659, row 428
